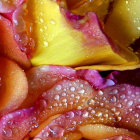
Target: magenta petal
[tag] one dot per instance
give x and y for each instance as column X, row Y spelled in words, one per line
column 16, row 125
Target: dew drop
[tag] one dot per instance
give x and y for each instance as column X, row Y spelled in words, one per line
column 138, row 28
column 130, row 103
column 85, row 114
column 138, row 106
column 122, row 96
column 46, row 44
column 7, row 132
column 57, row 97
column 72, row 95
column 79, row 107
column 119, row 105
column 115, row 91
column 99, row 114
column 93, row 112
column 58, row 87
column 70, row 115
column 117, row 113
column 72, row 89
column 55, row 104
column 64, row 100
column 81, row 91
column 52, row 22
column 119, row 118
column 63, row 94
column 113, row 99
column 137, row 115
column 41, row 20
column 100, row 92
column 91, row 102
column 77, row 97
column 56, row 131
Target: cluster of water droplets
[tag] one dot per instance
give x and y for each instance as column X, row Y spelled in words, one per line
column 22, row 30
column 110, row 106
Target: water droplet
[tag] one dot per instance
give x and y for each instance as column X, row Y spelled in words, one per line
column 117, row 113
column 115, row 91
column 52, row 22
column 85, row 114
column 58, row 87
column 106, row 115
column 93, row 112
column 69, row 115
column 72, row 89
column 81, row 91
column 138, row 106
column 130, row 103
column 122, row 96
column 55, row 104
column 74, row 122
column 46, row 44
column 72, row 95
column 64, row 100
column 137, row 115
column 41, row 30
column 79, row 107
column 63, row 94
column 119, row 118
column 100, row 92
column 56, row 131
column 77, row 97
column 113, row 109
column 71, row 103
column 65, row 104
column 119, row 105
column 113, row 99
column 138, row 28
column 41, row 20
column 99, row 114
column 91, row 102
column 7, row 132
column 57, row 97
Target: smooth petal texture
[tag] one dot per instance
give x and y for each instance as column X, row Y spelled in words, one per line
column 128, row 66
column 123, row 22
column 13, row 86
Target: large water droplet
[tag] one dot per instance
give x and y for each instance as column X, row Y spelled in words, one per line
column 70, row 114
